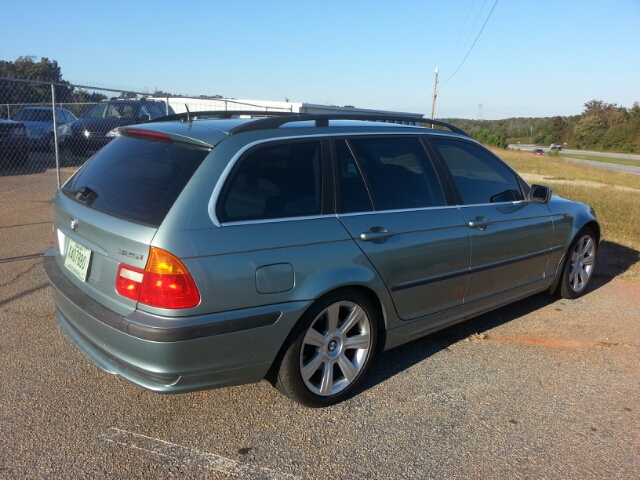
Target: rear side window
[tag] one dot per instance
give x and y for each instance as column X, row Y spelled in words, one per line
column 135, row 179
column 278, row 181
column 398, row 173
column 479, row 176
column 157, row 109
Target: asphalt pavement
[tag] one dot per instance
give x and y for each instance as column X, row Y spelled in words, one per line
column 543, row 388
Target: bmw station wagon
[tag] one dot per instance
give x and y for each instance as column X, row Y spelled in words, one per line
column 201, row 253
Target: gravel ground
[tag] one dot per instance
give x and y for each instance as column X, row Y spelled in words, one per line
column 543, row 388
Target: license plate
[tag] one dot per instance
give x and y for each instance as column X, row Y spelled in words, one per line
column 78, row 258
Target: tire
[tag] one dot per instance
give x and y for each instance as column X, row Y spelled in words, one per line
column 329, row 351
column 579, row 264
column 50, row 143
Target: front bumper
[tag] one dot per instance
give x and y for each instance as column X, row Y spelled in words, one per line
column 173, row 355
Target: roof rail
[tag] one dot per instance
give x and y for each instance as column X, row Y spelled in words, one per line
column 277, row 119
column 322, row 120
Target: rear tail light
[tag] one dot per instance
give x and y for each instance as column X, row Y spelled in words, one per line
column 164, row 283
column 146, row 135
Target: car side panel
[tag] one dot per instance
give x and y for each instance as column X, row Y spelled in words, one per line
column 424, row 262
column 246, row 265
column 511, row 250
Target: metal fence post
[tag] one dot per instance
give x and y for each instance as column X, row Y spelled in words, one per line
column 55, row 131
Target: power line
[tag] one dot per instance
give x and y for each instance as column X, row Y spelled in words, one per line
column 455, row 49
column 474, row 42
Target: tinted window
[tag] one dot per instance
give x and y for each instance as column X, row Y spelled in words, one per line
column 34, row 115
column 145, row 110
column 113, row 110
column 278, row 181
column 479, row 176
column 398, row 173
column 353, row 193
column 138, row 180
column 157, row 109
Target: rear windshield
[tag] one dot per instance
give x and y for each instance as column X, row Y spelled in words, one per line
column 138, row 180
column 27, row 115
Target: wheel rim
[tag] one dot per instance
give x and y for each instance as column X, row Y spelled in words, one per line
column 335, row 348
column 583, row 259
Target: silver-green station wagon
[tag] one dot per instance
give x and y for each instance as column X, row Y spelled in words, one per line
column 199, row 252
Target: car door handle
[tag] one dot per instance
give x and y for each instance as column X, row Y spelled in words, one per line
column 376, row 233
column 479, row 222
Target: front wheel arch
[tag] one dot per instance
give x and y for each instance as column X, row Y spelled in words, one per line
column 579, row 263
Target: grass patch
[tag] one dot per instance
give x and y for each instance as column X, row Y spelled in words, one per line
column 561, row 169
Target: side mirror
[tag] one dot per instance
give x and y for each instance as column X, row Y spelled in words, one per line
column 144, row 118
column 540, row 193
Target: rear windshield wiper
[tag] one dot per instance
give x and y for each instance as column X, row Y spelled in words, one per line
column 82, row 194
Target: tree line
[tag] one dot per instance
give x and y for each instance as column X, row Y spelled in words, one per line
column 601, row 126
column 45, row 70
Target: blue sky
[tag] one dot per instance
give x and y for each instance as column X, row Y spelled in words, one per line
column 533, row 58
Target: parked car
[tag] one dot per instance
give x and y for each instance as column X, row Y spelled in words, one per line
column 555, row 146
column 39, row 123
column 538, row 151
column 99, row 125
column 193, row 254
column 14, row 146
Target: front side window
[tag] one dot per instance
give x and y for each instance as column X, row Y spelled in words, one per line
column 478, row 175
column 278, row 181
column 398, row 172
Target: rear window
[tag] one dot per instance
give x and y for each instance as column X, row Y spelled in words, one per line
column 134, row 179
column 278, row 181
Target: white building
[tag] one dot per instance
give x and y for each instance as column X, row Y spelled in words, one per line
column 180, row 105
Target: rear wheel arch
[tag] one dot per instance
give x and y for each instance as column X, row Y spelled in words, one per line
column 281, row 374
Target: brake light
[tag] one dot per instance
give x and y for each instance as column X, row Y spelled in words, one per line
column 147, row 135
column 164, row 283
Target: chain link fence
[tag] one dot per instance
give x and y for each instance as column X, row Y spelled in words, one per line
column 40, row 151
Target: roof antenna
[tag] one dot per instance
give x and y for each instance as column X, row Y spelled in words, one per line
column 188, row 113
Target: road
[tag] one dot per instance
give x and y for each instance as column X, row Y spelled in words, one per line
column 528, row 148
column 609, row 166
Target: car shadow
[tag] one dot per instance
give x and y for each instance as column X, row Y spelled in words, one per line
column 614, row 260
column 397, row 360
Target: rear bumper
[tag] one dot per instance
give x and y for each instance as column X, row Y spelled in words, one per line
column 173, row 355
column 14, row 149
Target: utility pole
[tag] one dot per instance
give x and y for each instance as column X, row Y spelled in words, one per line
column 435, row 94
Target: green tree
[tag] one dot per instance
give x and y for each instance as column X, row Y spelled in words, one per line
column 29, row 69
column 485, row 136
